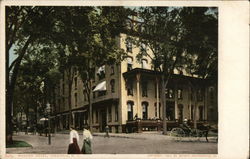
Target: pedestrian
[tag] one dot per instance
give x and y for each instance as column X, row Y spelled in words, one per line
column 107, row 131
column 87, row 141
column 73, row 142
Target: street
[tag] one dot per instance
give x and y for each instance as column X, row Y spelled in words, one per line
column 143, row 143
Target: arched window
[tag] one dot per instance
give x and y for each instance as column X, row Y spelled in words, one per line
column 129, row 45
column 130, row 105
column 112, row 84
column 144, row 110
column 144, row 63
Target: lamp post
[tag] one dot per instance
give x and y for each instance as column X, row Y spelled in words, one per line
column 48, row 110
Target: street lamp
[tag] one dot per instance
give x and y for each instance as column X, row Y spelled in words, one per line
column 48, row 110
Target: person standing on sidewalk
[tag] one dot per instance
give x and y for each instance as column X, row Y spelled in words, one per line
column 107, row 131
column 73, row 142
column 87, row 141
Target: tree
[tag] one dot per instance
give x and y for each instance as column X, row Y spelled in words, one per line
column 102, row 48
column 24, row 26
column 177, row 36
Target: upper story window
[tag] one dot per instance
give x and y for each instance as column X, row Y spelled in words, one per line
column 129, row 45
column 129, row 87
column 112, row 85
column 112, row 70
column 101, row 72
column 144, row 89
column 144, row 63
column 169, row 93
column 179, row 93
column 129, row 63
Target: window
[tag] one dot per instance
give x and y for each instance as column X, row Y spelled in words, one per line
column 169, row 93
column 96, row 116
column 112, row 70
column 112, row 84
column 93, row 92
column 144, row 64
column 128, row 45
column 63, row 88
column 143, row 48
column 199, row 95
column 192, row 112
column 179, row 93
column 129, row 63
column 101, row 93
column 116, row 113
column 144, row 89
column 75, row 79
column 101, row 72
column 211, row 94
column 109, row 114
column 130, row 109
column 200, row 112
column 180, row 112
column 75, row 99
column 144, row 110
column 130, row 87
column 158, row 111
column 84, row 95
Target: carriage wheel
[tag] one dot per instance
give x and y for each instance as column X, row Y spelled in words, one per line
column 177, row 132
column 196, row 133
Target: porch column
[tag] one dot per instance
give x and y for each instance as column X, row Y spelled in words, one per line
column 138, row 94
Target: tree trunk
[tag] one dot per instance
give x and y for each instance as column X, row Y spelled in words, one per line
column 163, row 105
column 90, row 107
column 69, row 103
column 10, row 85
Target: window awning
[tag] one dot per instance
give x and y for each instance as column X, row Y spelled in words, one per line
column 100, row 87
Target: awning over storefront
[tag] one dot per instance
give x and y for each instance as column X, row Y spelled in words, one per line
column 100, row 87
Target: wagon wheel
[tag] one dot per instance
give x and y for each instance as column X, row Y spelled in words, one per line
column 177, row 132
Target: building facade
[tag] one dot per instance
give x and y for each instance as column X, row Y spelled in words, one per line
column 127, row 97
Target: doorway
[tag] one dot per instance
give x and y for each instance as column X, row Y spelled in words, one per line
column 103, row 121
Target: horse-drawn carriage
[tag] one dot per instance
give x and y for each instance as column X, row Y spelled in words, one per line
column 202, row 130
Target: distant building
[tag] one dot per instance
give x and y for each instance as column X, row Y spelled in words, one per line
column 127, row 97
